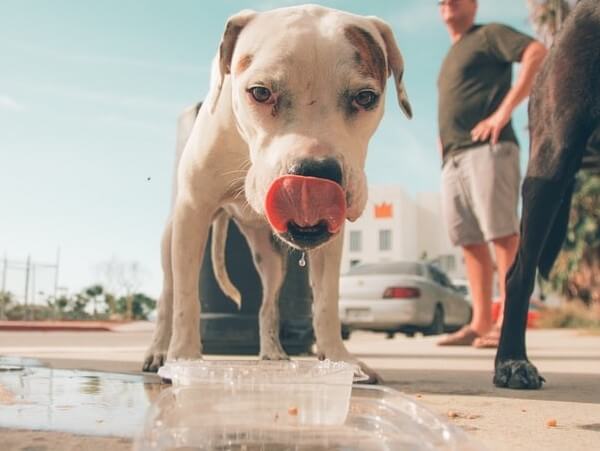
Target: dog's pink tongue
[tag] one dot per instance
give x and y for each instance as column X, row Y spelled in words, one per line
column 305, row 201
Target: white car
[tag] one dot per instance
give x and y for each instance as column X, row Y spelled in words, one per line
column 404, row 297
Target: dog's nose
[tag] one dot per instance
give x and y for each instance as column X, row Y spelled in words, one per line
column 328, row 169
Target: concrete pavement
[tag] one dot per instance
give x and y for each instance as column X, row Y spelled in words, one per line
column 454, row 382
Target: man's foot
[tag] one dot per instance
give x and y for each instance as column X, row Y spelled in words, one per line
column 489, row 340
column 463, row 337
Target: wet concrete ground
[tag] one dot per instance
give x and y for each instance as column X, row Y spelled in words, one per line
column 47, row 408
column 80, row 402
column 457, row 380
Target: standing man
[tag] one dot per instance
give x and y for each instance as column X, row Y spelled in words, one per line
column 480, row 153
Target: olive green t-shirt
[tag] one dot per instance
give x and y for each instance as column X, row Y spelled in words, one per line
column 474, row 78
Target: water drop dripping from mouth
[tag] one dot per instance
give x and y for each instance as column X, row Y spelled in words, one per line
column 302, row 261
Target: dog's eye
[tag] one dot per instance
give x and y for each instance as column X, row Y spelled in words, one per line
column 260, row 93
column 366, row 98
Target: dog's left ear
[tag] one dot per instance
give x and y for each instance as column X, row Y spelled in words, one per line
column 222, row 64
column 395, row 62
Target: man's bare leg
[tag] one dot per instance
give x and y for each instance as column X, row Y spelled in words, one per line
column 480, row 273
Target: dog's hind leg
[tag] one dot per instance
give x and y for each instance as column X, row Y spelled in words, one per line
column 546, row 202
column 269, row 260
column 157, row 352
column 541, row 201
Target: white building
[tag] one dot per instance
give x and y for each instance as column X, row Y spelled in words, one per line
column 396, row 227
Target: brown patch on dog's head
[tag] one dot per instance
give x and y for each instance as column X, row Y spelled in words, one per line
column 369, row 55
column 243, row 64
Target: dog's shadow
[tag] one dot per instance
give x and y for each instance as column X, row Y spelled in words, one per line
column 565, row 387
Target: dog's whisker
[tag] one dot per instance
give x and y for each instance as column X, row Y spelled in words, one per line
column 239, row 192
column 236, row 185
column 235, row 171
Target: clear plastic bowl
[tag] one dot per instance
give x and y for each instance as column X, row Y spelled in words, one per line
column 379, row 419
column 293, row 393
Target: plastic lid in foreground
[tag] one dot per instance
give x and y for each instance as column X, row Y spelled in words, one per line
column 379, row 419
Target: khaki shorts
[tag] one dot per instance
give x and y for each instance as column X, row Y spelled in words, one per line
column 480, row 193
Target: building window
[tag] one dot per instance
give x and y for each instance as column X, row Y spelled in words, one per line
column 449, row 263
column 355, row 241
column 354, row 262
column 385, row 240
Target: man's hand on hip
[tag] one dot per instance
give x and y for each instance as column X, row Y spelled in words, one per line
column 490, row 127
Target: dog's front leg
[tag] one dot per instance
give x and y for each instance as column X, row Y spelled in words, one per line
column 191, row 221
column 324, row 271
column 270, row 264
column 157, row 352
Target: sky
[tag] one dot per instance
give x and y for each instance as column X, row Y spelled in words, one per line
column 89, row 96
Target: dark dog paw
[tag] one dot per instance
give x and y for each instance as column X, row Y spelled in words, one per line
column 366, row 375
column 517, row 374
column 372, row 379
column 153, row 362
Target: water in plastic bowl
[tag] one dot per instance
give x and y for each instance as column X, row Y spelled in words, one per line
column 293, row 393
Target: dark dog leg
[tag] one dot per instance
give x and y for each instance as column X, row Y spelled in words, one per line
column 544, row 202
column 541, row 201
column 547, row 192
column 563, row 115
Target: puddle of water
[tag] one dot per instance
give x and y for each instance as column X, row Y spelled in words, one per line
column 6, row 361
column 81, row 402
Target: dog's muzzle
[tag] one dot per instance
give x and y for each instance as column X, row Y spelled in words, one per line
column 308, row 205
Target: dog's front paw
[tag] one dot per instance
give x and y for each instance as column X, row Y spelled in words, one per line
column 273, row 351
column 364, row 374
column 154, row 359
column 518, row 374
column 370, row 376
column 185, row 351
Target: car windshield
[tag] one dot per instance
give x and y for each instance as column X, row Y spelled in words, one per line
column 410, row 268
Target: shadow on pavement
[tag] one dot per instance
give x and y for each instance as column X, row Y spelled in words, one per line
column 470, row 356
column 566, row 387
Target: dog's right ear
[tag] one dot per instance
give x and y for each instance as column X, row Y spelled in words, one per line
column 222, row 62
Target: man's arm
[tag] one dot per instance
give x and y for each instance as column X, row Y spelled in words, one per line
column 532, row 59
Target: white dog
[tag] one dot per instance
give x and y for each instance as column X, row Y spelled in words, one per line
column 280, row 147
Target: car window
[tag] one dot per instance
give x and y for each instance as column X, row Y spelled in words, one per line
column 409, row 268
column 439, row 277
column 462, row 289
column 445, row 280
column 434, row 275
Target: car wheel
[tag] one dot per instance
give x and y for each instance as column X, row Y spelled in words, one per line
column 437, row 324
column 470, row 315
column 345, row 332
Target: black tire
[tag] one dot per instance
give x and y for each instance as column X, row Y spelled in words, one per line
column 437, row 323
column 390, row 334
column 345, row 332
